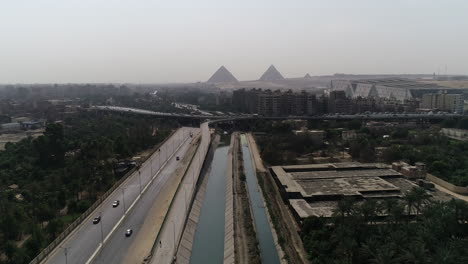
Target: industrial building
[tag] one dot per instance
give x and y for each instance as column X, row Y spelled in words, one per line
column 390, row 88
column 315, row 189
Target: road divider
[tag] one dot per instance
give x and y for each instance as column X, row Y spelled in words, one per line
column 73, row 226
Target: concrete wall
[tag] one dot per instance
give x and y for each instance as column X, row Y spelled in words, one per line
column 229, row 251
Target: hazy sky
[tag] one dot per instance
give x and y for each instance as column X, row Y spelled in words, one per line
column 144, row 41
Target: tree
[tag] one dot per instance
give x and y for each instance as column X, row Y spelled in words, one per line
column 10, row 250
column 54, row 227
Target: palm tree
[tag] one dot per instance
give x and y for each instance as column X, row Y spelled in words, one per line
column 421, row 197
column 416, row 254
column 410, row 199
column 345, row 207
column 368, row 210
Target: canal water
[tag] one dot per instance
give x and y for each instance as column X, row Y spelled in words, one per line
column 208, row 243
column 268, row 253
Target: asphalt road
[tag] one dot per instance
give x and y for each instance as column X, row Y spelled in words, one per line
column 172, row 229
column 116, row 247
column 85, row 241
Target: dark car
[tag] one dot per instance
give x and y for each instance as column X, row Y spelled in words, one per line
column 115, row 203
column 128, row 232
column 177, row 158
column 96, row 219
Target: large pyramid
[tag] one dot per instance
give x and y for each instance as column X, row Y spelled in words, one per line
column 222, row 75
column 307, row 76
column 271, row 74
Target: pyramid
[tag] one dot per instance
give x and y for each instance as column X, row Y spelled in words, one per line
column 222, row 75
column 272, row 74
column 307, row 76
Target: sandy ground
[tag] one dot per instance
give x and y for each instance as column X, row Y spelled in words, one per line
column 150, row 228
column 287, row 228
column 459, row 196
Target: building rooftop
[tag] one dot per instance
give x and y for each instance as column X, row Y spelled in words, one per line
column 400, row 83
column 315, row 189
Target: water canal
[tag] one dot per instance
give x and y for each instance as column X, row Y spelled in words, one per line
column 208, row 244
column 268, row 253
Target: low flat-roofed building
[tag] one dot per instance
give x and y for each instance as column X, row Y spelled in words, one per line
column 455, row 133
column 315, row 134
column 315, row 189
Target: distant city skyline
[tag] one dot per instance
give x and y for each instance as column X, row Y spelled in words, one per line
column 52, row 41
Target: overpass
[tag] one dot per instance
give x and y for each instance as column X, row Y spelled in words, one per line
column 212, row 119
column 85, row 243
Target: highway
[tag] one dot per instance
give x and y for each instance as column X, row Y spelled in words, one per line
column 171, row 232
column 116, row 247
column 85, row 242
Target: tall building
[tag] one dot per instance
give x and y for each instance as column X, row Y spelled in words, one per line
column 275, row 103
column 338, row 102
column 442, row 101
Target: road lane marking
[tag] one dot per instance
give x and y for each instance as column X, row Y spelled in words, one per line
column 133, row 204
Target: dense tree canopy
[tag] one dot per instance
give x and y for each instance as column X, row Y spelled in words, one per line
column 61, row 173
column 356, row 235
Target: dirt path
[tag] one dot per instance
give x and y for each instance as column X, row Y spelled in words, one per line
column 285, row 225
column 142, row 244
column 245, row 240
column 459, row 196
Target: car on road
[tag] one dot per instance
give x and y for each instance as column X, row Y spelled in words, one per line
column 177, row 158
column 115, row 203
column 128, row 232
column 97, row 219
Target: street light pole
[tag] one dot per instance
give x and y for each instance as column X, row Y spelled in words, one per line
column 173, row 224
column 151, row 166
column 102, row 234
column 139, row 178
column 159, row 158
column 123, row 199
column 65, row 252
column 66, row 257
column 185, row 191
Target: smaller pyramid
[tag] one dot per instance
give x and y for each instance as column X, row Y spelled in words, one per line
column 271, row 74
column 222, row 75
column 307, row 76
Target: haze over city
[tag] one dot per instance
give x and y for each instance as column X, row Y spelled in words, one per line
column 51, row 41
column 234, row 132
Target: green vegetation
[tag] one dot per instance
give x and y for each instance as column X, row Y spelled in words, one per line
column 356, row 235
column 61, row 174
column 445, row 158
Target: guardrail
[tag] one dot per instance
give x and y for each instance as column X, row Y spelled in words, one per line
column 148, row 258
column 46, row 251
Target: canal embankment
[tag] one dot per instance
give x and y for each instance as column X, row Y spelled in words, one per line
column 229, row 251
column 285, row 230
column 266, row 243
column 245, row 239
column 208, row 240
